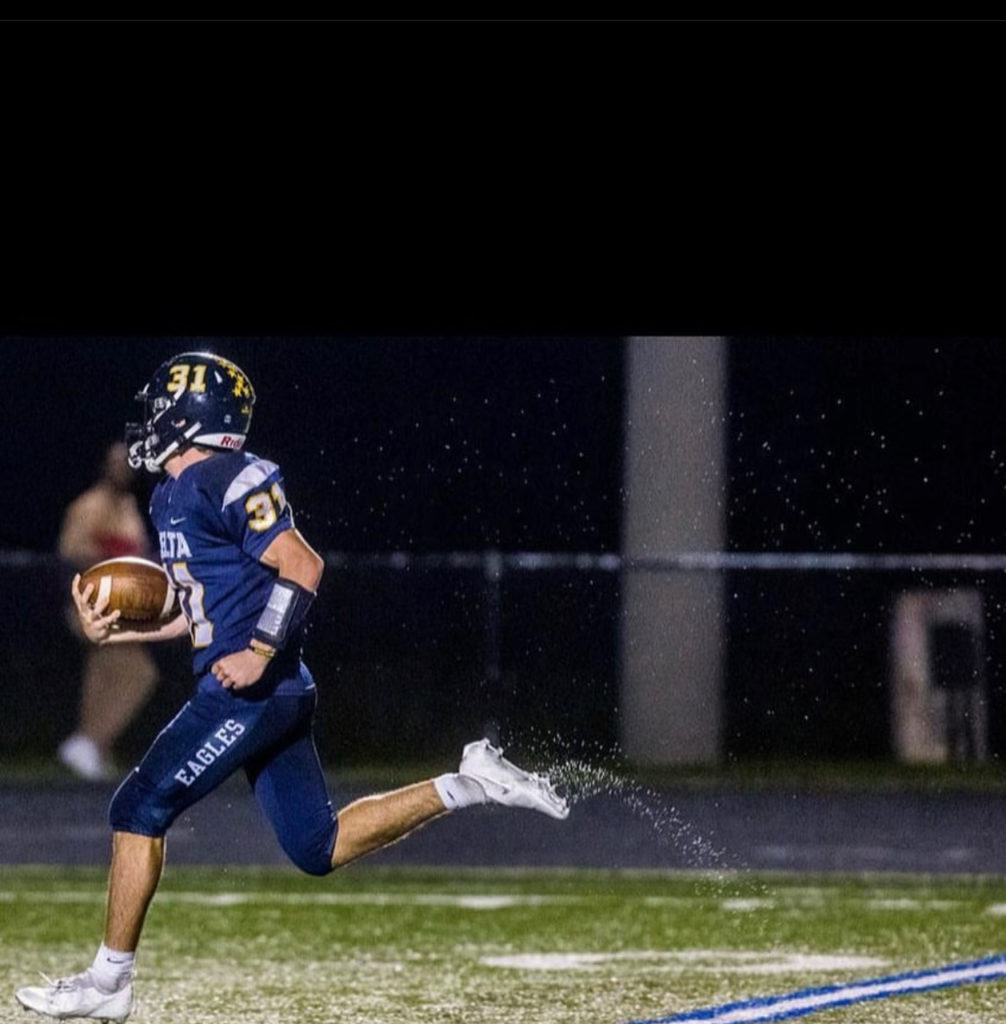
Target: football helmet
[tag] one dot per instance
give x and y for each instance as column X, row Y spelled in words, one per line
column 194, row 398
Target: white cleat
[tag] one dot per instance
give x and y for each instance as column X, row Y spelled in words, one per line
column 77, row 996
column 505, row 783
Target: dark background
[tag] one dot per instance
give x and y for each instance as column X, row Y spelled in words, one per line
column 422, row 444
column 870, row 445
column 516, row 443
column 386, row 443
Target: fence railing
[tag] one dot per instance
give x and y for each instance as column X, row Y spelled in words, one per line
column 415, row 652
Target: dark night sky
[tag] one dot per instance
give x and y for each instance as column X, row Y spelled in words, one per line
column 431, row 444
column 867, row 445
column 387, row 443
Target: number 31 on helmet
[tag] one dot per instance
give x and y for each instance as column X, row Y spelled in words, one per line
column 194, row 398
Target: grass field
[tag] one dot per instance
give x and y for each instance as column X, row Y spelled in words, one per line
column 424, row 946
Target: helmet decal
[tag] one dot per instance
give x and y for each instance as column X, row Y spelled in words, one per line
column 194, row 398
column 241, row 385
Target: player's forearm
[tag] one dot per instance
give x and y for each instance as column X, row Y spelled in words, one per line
column 170, row 630
column 298, row 572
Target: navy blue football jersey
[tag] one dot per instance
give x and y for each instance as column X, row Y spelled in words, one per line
column 214, row 522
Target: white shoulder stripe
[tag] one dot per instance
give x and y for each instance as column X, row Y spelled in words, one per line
column 249, row 478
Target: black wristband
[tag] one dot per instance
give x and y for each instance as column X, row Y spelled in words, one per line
column 284, row 612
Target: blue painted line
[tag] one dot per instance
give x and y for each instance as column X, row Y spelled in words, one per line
column 826, row 997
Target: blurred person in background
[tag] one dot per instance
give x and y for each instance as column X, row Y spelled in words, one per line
column 105, row 522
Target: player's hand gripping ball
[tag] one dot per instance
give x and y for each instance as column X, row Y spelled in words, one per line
column 135, row 587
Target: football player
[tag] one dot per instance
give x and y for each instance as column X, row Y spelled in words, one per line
column 246, row 579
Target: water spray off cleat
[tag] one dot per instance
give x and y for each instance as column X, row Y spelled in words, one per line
column 505, row 783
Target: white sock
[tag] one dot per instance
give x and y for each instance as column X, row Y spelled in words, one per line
column 459, row 791
column 111, row 969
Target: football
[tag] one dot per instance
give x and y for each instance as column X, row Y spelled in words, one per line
column 136, row 587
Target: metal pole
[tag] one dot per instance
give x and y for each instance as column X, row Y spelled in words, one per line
column 492, row 570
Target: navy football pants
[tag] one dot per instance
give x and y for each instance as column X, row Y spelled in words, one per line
column 217, row 732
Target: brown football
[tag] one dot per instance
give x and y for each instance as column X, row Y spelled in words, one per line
column 136, row 587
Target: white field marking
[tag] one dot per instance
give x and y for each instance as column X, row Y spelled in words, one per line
column 799, row 896
column 472, row 901
column 798, row 1004
column 717, row 960
column 911, row 904
column 747, row 904
column 804, row 896
column 996, row 909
